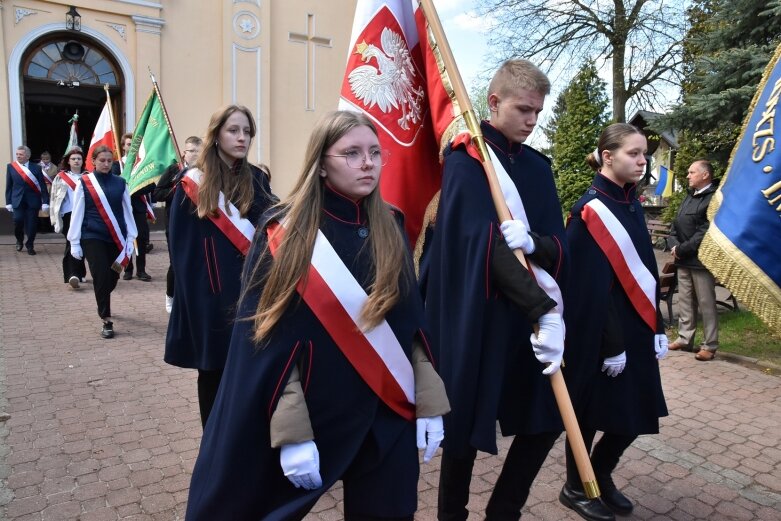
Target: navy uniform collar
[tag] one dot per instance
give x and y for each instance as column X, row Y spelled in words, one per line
column 497, row 139
column 621, row 194
column 342, row 208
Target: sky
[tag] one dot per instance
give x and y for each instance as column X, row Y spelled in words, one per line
column 467, row 34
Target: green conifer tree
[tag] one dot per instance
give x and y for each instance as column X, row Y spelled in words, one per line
column 579, row 116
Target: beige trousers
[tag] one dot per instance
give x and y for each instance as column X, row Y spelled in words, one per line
column 697, row 288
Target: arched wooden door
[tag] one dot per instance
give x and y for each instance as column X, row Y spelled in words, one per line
column 63, row 73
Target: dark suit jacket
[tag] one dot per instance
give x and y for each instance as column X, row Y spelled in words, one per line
column 17, row 190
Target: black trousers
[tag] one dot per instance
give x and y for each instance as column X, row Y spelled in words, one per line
column 524, row 459
column 70, row 266
column 100, row 256
column 141, row 241
column 169, row 277
column 25, row 223
column 208, row 384
column 604, row 458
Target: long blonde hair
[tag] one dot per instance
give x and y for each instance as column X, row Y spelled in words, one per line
column 236, row 181
column 303, row 213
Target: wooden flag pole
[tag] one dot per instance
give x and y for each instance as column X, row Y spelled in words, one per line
column 113, row 123
column 557, row 380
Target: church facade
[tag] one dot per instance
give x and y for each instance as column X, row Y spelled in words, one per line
column 285, row 60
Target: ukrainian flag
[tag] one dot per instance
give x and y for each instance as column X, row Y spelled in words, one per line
column 665, row 185
column 742, row 247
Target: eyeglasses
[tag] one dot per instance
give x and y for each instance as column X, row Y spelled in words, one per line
column 356, row 159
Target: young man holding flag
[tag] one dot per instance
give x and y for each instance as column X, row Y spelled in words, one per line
column 148, row 152
column 481, row 302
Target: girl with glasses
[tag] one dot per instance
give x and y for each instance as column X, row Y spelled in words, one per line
column 329, row 375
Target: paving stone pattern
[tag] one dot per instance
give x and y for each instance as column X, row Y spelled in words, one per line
column 104, row 430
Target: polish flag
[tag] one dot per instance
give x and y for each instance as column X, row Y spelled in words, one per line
column 102, row 135
column 392, row 76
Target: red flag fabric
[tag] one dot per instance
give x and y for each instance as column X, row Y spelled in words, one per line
column 102, row 135
column 393, row 77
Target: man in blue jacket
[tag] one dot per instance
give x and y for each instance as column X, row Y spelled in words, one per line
column 25, row 195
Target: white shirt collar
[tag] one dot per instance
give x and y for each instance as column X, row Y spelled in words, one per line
column 698, row 192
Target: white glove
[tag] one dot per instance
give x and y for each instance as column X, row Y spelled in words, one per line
column 431, row 432
column 129, row 247
column 660, row 346
column 517, row 236
column 9, row 207
column 76, row 252
column 44, row 207
column 548, row 344
column 301, row 464
column 614, row 365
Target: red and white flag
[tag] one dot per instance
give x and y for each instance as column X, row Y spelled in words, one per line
column 392, row 76
column 102, row 135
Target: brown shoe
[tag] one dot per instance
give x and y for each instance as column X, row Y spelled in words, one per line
column 703, row 355
column 679, row 345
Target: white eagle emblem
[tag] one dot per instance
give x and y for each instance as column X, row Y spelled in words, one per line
column 391, row 84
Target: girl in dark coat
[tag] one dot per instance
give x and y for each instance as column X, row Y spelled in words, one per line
column 328, row 376
column 212, row 221
column 615, row 333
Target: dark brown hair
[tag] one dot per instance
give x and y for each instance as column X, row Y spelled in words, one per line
column 65, row 161
column 101, row 149
column 611, row 139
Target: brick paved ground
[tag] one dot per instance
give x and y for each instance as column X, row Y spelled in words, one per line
column 103, row 429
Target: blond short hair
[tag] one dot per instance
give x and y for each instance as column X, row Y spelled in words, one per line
column 517, row 74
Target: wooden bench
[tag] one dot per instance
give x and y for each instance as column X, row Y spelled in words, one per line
column 668, row 287
column 659, row 231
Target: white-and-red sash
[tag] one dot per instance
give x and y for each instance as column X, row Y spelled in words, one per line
column 107, row 214
column 27, row 176
column 515, row 205
column 67, row 179
column 612, row 238
column 336, row 298
column 150, row 212
column 237, row 229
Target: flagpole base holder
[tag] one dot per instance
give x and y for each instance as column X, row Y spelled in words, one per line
column 591, row 489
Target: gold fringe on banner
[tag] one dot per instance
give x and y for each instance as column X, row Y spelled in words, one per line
column 729, row 264
column 429, row 221
column 742, row 277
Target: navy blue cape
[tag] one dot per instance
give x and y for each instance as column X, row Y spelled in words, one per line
column 208, row 279
column 237, row 474
column 485, row 356
column 632, row 402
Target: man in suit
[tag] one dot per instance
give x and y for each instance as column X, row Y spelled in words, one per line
column 25, row 195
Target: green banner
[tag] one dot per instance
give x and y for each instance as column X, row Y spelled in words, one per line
column 153, row 148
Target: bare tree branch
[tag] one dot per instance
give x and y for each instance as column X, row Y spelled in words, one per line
column 640, row 39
